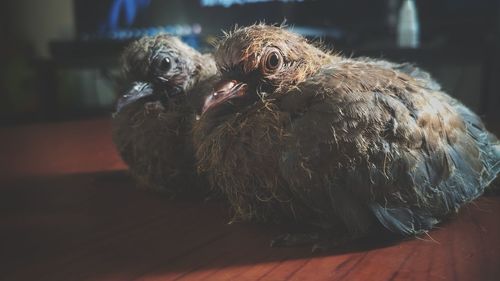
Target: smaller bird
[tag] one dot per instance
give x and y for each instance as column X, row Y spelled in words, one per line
column 296, row 133
column 152, row 124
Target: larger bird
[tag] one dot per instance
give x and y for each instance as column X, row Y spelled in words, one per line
column 153, row 119
column 293, row 132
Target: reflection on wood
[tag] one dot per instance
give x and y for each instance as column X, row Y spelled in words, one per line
column 69, row 211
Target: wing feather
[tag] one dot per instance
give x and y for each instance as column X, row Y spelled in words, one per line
column 385, row 135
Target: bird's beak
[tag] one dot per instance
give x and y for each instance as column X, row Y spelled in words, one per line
column 138, row 91
column 224, row 91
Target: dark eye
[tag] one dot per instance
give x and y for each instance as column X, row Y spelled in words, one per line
column 272, row 61
column 165, row 64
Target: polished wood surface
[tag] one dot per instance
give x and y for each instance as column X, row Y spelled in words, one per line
column 69, row 211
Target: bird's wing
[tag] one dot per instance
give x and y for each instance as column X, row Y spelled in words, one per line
column 386, row 142
column 407, row 68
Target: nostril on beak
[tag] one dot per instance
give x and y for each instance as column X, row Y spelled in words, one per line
column 224, row 86
column 217, row 93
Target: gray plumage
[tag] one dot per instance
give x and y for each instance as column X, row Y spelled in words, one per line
column 153, row 121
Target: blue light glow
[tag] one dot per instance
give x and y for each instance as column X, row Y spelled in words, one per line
column 228, row 3
column 129, row 8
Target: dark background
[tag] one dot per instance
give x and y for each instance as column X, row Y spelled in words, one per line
column 58, row 59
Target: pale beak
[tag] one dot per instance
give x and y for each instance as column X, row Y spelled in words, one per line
column 224, row 91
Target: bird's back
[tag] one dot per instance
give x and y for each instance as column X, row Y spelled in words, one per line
column 384, row 136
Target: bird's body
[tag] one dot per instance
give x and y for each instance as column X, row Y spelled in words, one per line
column 338, row 141
column 153, row 121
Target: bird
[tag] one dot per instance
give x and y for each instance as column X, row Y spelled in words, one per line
column 151, row 127
column 294, row 132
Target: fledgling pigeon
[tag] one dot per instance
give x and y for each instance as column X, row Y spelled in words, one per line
column 153, row 120
column 293, row 132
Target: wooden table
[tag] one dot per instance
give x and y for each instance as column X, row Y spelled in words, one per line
column 69, row 211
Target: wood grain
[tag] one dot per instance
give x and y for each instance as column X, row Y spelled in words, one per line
column 69, row 211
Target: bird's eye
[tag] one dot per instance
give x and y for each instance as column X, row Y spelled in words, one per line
column 165, row 64
column 272, row 61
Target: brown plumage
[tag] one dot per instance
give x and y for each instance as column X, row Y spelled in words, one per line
column 153, row 121
column 297, row 133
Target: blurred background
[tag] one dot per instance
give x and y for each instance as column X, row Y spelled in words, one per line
column 59, row 58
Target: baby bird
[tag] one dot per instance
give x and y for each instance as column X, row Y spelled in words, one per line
column 153, row 119
column 296, row 133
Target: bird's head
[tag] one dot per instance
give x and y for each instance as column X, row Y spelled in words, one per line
column 162, row 66
column 260, row 62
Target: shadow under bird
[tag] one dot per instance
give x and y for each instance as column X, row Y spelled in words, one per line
column 293, row 132
column 153, row 120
